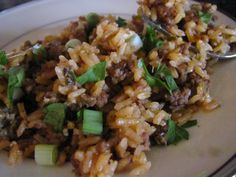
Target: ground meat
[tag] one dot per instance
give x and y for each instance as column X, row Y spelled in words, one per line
column 74, row 31
column 50, row 97
column 164, row 13
column 70, row 76
column 102, row 99
column 194, row 79
column 182, row 70
column 179, row 99
column 138, row 24
column 88, row 101
column 233, row 46
column 32, row 69
column 49, row 136
column 8, row 123
column 54, row 49
column 158, row 137
column 29, row 85
column 119, row 72
column 29, row 102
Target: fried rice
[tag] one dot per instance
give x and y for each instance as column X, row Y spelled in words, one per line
column 139, row 106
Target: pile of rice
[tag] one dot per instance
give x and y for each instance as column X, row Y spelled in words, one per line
column 135, row 113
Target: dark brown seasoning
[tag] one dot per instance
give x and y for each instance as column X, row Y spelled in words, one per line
column 138, row 24
column 55, row 49
column 102, row 99
column 165, row 14
column 159, row 136
column 9, row 122
column 118, row 72
column 179, row 99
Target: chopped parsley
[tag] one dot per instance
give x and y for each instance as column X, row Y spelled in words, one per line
column 39, row 52
column 205, row 16
column 121, row 22
column 150, row 40
column 162, row 71
column 175, row 133
column 92, row 20
column 94, row 74
column 155, row 80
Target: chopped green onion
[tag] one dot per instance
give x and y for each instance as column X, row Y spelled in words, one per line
column 92, row 122
column 72, row 43
column 16, row 77
column 3, row 57
column 136, row 42
column 39, row 52
column 92, row 19
column 175, row 133
column 55, row 115
column 45, row 154
column 94, row 74
column 205, row 17
column 150, row 40
column 121, row 22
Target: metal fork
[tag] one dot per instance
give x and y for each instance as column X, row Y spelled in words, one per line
column 161, row 28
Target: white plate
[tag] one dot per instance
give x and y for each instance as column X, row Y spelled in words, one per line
column 211, row 144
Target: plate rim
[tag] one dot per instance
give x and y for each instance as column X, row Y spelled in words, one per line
column 225, row 170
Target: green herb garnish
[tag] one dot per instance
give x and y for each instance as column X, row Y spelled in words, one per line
column 3, row 57
column 163, row 72
column 205, row 16
column 92, row 20
column 39, row 52
column 189, row 124
column 150, row 40
column 55, row 115
column 175, row 133
column 16, row 77
column 155, row 81
column 121, row 22
column 94, row 74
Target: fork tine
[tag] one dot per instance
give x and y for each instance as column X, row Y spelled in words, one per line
column 158, row 26
column 162, row 29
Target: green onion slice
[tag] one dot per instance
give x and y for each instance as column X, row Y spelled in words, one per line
column 92, row 122
column 72, row 43
column 55, row 115
column 46, row 154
